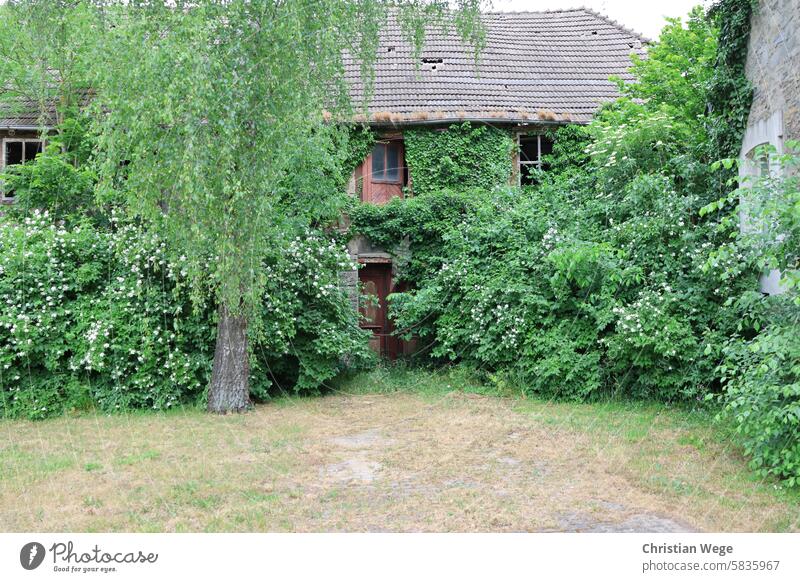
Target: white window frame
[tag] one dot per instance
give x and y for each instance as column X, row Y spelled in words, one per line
column 7, row 140
column 537, row 163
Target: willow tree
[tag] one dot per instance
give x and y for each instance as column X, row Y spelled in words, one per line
column 205, row 107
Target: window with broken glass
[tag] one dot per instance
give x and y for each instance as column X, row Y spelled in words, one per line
column 532, row 149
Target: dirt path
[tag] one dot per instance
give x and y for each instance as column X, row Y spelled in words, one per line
column 399, row 462
column 468, row 464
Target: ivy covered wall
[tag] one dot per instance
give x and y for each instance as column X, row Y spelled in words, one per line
column 730, row 92
column 460, row 156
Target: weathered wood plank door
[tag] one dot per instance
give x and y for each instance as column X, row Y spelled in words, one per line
column 376, row 281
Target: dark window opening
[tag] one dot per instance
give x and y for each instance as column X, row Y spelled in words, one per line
column 532, row 151
column 21, row 151
column 14, row 152
column 18, row 152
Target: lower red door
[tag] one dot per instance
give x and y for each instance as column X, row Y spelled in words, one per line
column 376, row 282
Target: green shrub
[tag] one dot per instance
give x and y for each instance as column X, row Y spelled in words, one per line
column 763, row 394
column 51, row 183
column 58, row 180
column 761, row 372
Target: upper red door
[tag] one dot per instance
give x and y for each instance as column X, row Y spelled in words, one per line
column 384, row 172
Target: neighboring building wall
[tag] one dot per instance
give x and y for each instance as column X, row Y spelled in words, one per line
column 773, row 66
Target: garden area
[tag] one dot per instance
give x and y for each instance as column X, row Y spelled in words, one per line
column 594, row 351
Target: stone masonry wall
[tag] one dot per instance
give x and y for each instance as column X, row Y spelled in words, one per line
column 773, row 64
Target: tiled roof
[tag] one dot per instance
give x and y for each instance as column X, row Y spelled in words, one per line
column 21, row 113
column 18, row 112
column 536, row 66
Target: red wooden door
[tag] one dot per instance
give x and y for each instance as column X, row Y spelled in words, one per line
column 376, row 281
column 384, row 172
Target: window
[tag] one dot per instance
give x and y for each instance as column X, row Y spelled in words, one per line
column 18, row 151
column 387, row 163
column 532, row 149
column 760, row 161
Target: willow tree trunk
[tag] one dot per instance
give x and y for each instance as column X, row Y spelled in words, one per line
column 230, row 390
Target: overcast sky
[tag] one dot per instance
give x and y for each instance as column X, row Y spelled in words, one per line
column 644, row 16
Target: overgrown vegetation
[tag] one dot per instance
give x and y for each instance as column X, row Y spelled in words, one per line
column 622, row 273
column 762, row 372
column 103, row 317
column 614, row 275
column 729, row 92
column 461, row 156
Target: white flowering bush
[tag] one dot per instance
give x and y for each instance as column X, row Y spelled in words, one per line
column 94, row 317
column 308, row 331
column 105, row 318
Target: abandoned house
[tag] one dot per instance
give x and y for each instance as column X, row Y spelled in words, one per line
column 537, row 70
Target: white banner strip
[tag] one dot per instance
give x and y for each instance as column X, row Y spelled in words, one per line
column 406, row 557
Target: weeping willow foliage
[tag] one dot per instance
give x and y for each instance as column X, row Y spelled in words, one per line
column 213, row 121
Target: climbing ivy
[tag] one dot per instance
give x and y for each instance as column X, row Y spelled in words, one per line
column 423, row 221
column 360, row 140
column 461, row 156
column 729, row 92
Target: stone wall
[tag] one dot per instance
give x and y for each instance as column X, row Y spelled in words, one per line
column 773, row 65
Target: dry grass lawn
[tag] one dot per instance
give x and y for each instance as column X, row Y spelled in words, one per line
column 369, row 458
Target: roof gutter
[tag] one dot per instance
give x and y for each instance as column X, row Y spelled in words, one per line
column 24, row 127
column 484, row 120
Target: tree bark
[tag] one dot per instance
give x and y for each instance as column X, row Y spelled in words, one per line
column 230, row 376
